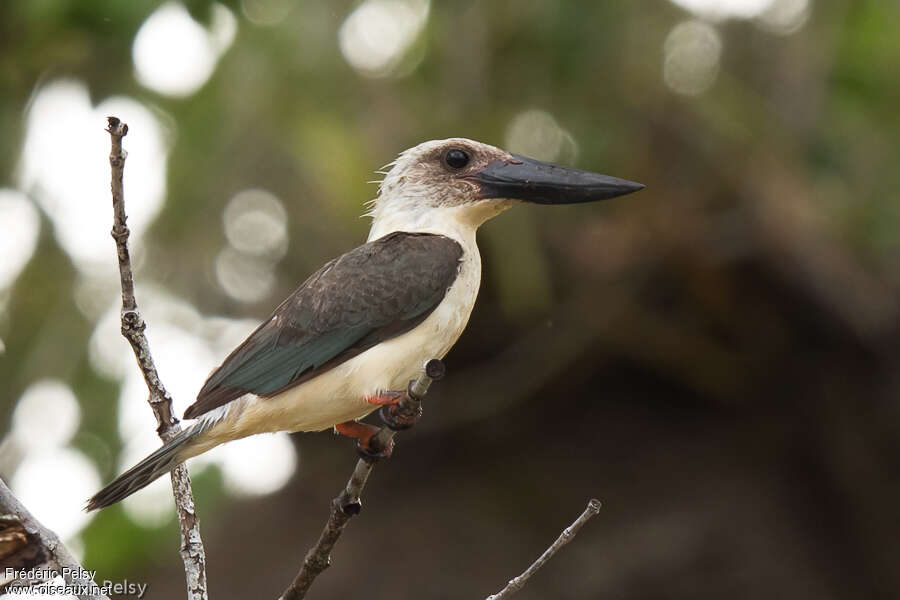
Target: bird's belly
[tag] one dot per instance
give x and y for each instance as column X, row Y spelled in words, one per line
column 339, row 394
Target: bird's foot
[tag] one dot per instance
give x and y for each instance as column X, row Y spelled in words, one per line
column 363, row 434
column 385, row 398
column 399, row 417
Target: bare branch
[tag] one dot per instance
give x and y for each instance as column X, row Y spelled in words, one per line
column 192, row 553
column 348, row 503
column 517, row 583
column 22, row 532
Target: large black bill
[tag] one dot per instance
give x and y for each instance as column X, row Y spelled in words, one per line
column 535, row 181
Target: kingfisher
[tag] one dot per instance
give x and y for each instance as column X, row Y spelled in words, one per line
column 358, row 329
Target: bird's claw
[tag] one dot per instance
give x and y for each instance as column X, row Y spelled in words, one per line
column 364, row 433
column 368, row 453
column 397, row 419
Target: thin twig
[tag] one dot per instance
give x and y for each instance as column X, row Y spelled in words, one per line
column 192, row 553
column 55, row 555
column 348, row 503
column 517, row 583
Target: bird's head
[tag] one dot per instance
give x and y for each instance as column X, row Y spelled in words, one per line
column 469, row 182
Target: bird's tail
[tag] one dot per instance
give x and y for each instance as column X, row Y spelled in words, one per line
column 170, row 455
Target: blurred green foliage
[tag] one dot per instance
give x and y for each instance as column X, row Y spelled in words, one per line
column 737, row 284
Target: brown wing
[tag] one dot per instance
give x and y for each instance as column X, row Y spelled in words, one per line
column 370, row 294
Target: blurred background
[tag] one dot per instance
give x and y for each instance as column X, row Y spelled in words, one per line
column 715, row 358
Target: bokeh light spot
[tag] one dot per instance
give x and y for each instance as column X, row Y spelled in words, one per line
column 266, row 12
column 784, row 17
column 53, row 484
column 724, row 9
column 256, row 465
column 21, row 226
column 535, row 133
column 244, row 278
column 692, row 52
column 46, row 416
column 377, row 34
column 256, row 223
column 175, row 55
column 59, row 169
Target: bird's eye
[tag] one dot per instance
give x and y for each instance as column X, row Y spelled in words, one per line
column 456, row 158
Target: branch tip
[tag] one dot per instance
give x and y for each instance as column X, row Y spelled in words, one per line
column 116, row 127
column 435, row 369
column 517, row 583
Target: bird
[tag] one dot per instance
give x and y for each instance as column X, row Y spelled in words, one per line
column 358, row 329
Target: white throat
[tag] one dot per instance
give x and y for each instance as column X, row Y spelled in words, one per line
column 456, row 222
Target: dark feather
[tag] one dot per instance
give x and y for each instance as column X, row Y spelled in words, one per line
column 377, row 291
